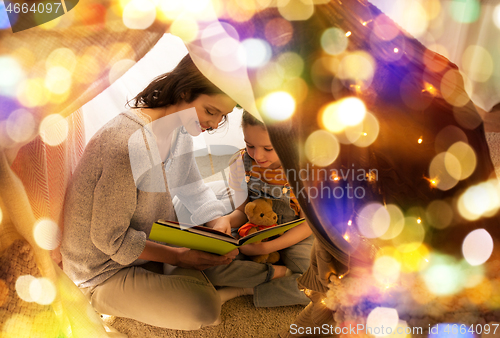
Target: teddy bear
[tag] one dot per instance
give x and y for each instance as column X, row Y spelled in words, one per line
column 260, row 216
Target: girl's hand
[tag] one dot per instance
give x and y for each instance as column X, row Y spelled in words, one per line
column 255, row 249
column 223, row 224
column 199, row 260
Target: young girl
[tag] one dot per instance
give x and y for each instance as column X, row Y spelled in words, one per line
column 256, row 172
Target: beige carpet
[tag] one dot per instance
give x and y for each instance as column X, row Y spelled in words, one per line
column 239, row 318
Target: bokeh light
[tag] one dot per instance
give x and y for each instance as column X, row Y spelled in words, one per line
column 185, row 27
column 474, row 274
column 438, row 171
column 296, row 10
column 88, row 67
column 382, row 317
column 271, row 76
column 278, row 31
column 211, row 34
column 58, row 80
column 297, row 87
column 415, row 20
column 42, row 291
column 480, row 200
column 61, row 57
column 452, row 89
column 32, row 92
column 411, row 237
column 443, row 276
column 465, row 11
column 17, row 325
column 223, row 54
column 496, row 16
column 20, row 125
column 168, row 10
column 292, row 64
column 386, row 270
column 477, row 247
column 370, row 131
column 12, row 74
column 23, row 287
column 47, row 234
column 322, row 148
column 358, row 67
column 139, row 14
column 257, row 52
column 278, row 106
column 432, row 8
column 384, row 28
column 4, row 19
column 240, row 10
column 334, row 41
column 447, row 137
column 477, row 63
column 337, row 115
column 466, row 160
column 373, row 220
column 416, row 260
column 397, row 222
column 54, row 129
column 439, row 214
column 119, row 68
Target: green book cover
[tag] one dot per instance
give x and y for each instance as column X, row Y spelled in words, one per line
column 207, row 239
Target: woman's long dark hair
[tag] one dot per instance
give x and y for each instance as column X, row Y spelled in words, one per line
column 184, row 83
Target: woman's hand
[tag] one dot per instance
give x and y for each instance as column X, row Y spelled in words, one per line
column 255, row 249
column 223, row 224
column 199, row 260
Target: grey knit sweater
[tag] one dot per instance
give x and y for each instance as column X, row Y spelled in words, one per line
column 118, row 190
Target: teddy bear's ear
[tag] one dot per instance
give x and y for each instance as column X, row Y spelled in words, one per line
column 270, row 201
column 249, row 208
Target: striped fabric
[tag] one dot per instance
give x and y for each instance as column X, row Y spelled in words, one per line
column 50, row 168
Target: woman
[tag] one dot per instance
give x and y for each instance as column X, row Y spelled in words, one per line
column 126, row 179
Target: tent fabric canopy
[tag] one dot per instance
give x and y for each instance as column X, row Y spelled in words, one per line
column 404, row 107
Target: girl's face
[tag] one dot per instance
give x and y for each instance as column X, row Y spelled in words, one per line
column 210, row 110
column 259, row 147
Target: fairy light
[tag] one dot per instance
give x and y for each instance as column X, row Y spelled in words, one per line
column 420, row 140
column 348, row 34
column 433, row 181
column 349, row 223
column 346, row 237
column 396, row 50
column 419, row 220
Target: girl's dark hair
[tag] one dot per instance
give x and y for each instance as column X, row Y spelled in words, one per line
column 184, row 83
column 248, row 119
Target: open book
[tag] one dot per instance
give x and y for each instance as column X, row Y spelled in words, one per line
column 207, row 239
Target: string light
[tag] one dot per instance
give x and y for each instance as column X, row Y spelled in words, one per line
column 349, row 223
column 396, row 50
column 432, row 181
column 420, row 140
column 348, row 33
column 419, row 220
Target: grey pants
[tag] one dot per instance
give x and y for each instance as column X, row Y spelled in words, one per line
column 182, row 299
column 245, row 273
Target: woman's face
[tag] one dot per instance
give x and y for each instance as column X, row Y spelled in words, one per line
column 210, row 110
